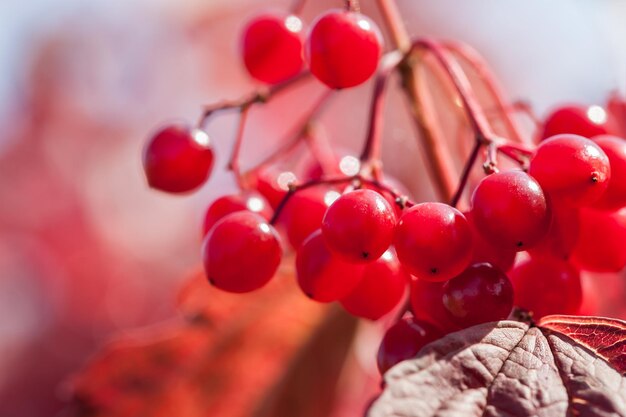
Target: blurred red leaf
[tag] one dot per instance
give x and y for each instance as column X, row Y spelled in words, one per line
column 507, row 368
column 234, row 355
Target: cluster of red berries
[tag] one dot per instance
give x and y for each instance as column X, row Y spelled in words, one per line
column 360, row 242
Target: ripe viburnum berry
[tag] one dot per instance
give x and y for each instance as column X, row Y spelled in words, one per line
column 322, row 275
column 546, row 285
column 403, row 341
column 272, row 47
column 343, row 48
column 382, row 287
column 578, row 120
column 510, row 209
column 433, row 241
column 601, row 243
column 359, row 225
column 573, row 170
column 241, row 253
column 482, row 293
column 227, row 204
column 178, row 159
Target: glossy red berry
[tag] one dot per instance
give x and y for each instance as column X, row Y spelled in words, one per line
column 427, row 305
column 382, row 287
column 433, row 241
column 578, row 120
column 546, row 285
column 227, row 204
column 510, row 209
column 614, row 197
column 322, row 275
column 571, row 169
column 178, row 159
column 241, row 253
column 303, row 213
column 482, row 293
column 485, row 251
column 359, row 225
column 343, row 48
column 601, row 245
column 403, row 341
column 272, row 47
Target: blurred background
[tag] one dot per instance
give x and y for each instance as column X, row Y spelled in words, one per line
column 87, row 250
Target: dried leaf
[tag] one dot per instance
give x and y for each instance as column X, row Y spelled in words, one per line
column 504, row 369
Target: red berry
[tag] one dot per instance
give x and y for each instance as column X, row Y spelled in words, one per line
column 576, row 120
column 562, row 234
column 178, row 159
column 485, row 251
column 427, row 305
column 433, row 241
column 571, row 169
column 403, row 341
column 510, row 209
column 482, row 293
column 614, row 197
column 601, row 244
column 303, row 213
column 359, row 225
column 322, row 275
column 546, row 285
column 272, row 47
column 227, row 204
column 343, row 48
column 382, row 287
column 241, row 253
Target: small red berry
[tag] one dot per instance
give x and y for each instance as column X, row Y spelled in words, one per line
column 227, row 204
column 241, row 253
column 272, row 47
column 382, row 287
column 178, row 159
column 343, row 48
column 427, row 305
column 575, row 119
column 573, row 170
column 403, row 341
column 322, row 275
column 359, row 225
column 510, row 209
column 601, row 245
column 433, row 241
column 546, row 285
column 482, row 293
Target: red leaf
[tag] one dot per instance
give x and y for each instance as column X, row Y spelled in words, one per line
column 503, row 369
column 606, row 337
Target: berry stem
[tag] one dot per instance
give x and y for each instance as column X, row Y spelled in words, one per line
column 262, row 95
column 233, row 163
column 320, row 148
column 300, row 132
column 371, row 148
column 467, row 169
column 353, row 5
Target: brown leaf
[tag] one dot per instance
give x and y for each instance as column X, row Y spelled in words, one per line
column 504, row 369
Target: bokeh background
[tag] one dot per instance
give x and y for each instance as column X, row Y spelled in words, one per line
column 88, row 251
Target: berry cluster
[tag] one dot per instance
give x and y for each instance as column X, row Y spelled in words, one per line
column 523, row 240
